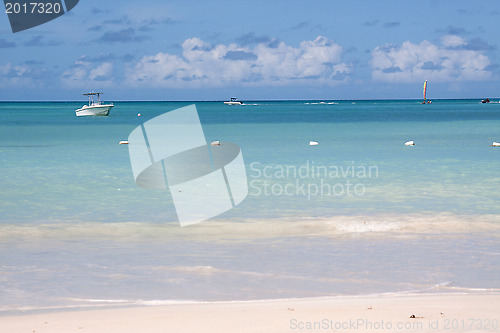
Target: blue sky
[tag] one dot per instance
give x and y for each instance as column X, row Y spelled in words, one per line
column 284, row 49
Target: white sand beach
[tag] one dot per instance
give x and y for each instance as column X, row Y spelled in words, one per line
column 409, row 313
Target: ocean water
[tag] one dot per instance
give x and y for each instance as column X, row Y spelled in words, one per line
column 358, row 214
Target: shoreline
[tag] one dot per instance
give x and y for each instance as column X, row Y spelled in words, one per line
column 432, row 312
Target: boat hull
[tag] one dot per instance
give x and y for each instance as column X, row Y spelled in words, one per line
column 233, row 103
column 94, row 110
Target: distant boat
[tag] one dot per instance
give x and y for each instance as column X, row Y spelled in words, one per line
column 95, row 108
column 233, row 101
column 485, row 100
column 425, row 94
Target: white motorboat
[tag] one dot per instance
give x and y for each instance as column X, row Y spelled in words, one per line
column 95, row 108
column 233, row 101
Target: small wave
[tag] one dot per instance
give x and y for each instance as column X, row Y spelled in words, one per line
column 90, row 303
column 257, row 228
column 199, row 270
column 131, row 301
column 439, row 286
column 210, row 270
column 321, row 103
column 468, row 289
column 448, row 286
column 117, row 301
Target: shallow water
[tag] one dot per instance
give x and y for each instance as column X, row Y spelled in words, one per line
column 358, row 214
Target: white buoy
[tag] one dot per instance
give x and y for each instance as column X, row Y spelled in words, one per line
column 215, row 143
column 495, row 144
column 313, row 143
column 123, row 142
column 138, row 115
column 409, row 143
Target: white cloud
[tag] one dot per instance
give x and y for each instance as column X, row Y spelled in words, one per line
column 85, row 72
column 21, row 75
column 450, row 61
column 453, row 41
column 317, row 61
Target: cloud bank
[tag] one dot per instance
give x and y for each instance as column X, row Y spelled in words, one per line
column 87, row 71
column 454, row 60
column 269, row 62
column 21, row 75
column 260, row 60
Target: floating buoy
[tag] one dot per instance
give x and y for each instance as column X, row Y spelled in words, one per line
column 313, row 143
column 138, row 115
column 409, row 143
column 215, row 143
column 495, row 144
column 123, row 142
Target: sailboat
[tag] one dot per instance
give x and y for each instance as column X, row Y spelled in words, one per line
column 425, row 94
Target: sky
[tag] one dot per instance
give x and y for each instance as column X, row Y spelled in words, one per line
column 255, row 50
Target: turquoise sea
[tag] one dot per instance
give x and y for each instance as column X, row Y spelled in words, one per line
column 358, row 214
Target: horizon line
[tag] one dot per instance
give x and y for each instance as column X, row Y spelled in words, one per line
column 257, row 100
